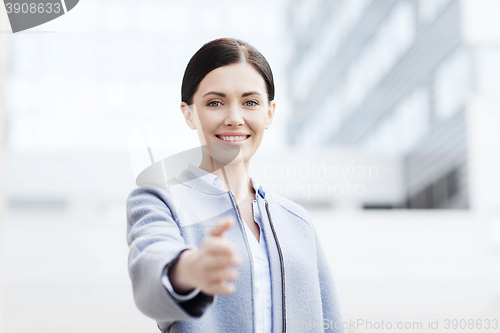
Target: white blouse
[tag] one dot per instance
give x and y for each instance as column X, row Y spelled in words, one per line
column 262, row 280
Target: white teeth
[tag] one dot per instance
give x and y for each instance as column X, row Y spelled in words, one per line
column 233, row 138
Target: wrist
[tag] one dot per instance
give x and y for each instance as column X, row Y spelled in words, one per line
column 179, row 273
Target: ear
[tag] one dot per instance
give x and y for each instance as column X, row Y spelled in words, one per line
column 188, row 115
column 270, row 114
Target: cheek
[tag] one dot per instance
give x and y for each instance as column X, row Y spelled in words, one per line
column 258, row 126
column 208, row 123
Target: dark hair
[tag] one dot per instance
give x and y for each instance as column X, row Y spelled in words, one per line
column 221, row 52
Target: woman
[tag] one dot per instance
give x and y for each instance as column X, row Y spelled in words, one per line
column 214, row 252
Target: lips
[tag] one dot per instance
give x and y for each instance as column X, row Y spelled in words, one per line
column 233, row 134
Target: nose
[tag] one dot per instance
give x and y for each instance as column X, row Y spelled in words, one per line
column 234, row 116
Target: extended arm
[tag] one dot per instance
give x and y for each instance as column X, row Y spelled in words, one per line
column 155, row 241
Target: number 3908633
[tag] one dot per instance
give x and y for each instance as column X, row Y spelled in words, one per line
column 33, row 8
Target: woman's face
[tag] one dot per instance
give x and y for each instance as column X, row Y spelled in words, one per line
column 231, row 104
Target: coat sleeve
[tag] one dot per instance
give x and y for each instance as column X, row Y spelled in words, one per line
column 154, row 239
column 332, row 314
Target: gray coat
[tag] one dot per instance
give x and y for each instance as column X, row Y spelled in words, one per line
column 163, row 222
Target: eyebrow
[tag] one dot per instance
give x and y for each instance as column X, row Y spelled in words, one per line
column 224, row 95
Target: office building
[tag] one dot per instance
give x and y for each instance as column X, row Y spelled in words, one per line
column 393, row 77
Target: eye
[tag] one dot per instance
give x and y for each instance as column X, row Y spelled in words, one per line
column 255, row 103
column 210, row 103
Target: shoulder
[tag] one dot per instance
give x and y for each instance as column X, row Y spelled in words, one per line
column 173, row 192
column 292, row 208
column 147, row 195
column 150, row 198
column 144, row 200
column 140, row 195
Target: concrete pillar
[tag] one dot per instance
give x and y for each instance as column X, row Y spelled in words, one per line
column 4, row 39
column 481, row 33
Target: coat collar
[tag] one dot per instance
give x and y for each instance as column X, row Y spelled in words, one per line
column 209, row 183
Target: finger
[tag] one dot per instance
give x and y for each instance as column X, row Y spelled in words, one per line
column 221, row 247
column 221, row 227
column 225, row 274
column 218, row 261
column 223, row 287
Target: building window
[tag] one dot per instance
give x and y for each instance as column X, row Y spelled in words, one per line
column 350, row 11
column 324, row 123
column 451, row 84
column 391, row 41
column 412, row 119
column 403, row 128
column 437, row 194
column 429, row 9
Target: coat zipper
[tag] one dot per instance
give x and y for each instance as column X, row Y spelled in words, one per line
column 246, row 241
column 280, row 255
column 282, row 268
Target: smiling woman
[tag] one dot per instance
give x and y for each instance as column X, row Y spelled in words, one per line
column 230, row 110
column 215, row 252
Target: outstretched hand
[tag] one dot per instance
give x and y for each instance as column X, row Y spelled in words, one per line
column 208, row 267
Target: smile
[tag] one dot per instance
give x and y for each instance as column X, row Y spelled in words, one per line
column 233, row 139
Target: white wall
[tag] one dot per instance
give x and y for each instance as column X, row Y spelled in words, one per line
column 4, row 38
column 412, row 265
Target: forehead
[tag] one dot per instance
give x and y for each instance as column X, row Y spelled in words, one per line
column 234, row 78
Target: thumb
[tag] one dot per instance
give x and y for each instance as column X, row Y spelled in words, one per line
column 222, row 226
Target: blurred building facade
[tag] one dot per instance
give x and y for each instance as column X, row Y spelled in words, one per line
column 389, row 76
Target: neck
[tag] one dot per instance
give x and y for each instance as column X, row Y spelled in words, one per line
column 235, row 176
